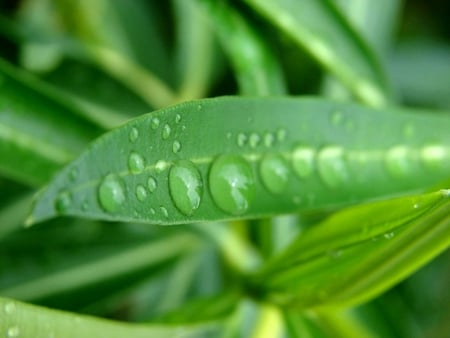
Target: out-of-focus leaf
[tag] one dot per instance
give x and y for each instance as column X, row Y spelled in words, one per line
column 256, row 67
column 30, row 321
column 359, row 252
column 421, row 72
column 38, row 132
column 318, row 27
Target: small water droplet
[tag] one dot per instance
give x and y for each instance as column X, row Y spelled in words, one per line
column 186, row 187
column 111, row 193
column 154, row 123
column 199, row 107
column 166, row 132
column 388, row 235
column 152, row 184
column 160, row 166
column 136, row 163
column 228, row 135
column 269, row 139
column 254, row 140
column 303, row 161
column 399, row 160
column 242, row 139
column 73, row 175
column 63, row 202
column 274, row 173
column 331, row 166
column 10, row 308
column 334, row 254
column 337, row 118
column 416, row 206
column 177, row 118
column 141, row 192
column 134, row 134
column 176, row 146
column 164, row 212
column 232, row 184
column 152, row 211
column 13, row 331
column 433, row 156
column 281, row 134
column 85, row 206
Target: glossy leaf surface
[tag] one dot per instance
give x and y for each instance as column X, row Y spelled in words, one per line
column 318, row 154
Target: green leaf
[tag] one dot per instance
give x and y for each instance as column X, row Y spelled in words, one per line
column 318, row 27
column 30, row 321
column 229, row 157
column 358, row 253
column 38, row 132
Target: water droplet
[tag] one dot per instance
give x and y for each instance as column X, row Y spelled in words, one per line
column 242, row 139
column 111, row 193
column 13, row 331
column 154, row 123
column 152, row 184
column 254, row 140
column 10, row 308
column 85, row 206
column 161, row 165
column 164, row 211
column 152, row 211
column 281, row 134
column 176, row 146
column 63, row 202
column 166, row 132
column 228, row 135
column 269, row 139
column 177, row 118
column 199, row 107
column 141, row 192
column 334, row 254
column 416, row 206
column 231, row 183
column 73, row 175
column 274, row 173
column 399, row 160
column 186, row 186
column 388, row 235
column 433, row 156
column 136, row 163
column 303, row 161
column 332, row 166
column 336, row 118
column 134, row 134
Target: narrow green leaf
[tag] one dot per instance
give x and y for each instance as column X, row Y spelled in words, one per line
column 315, row 154
column 30, row 321
column 38, row 133
column 256, row 67
column 365, row 255
column 318, row 27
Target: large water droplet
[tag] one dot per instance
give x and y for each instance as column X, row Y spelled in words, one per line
column 141, row 192
column 399, row 160
column 303, row 161
column 63, row 202
column 136, row 163
column 151, row 184
column 331, row 166
column 166, row 132
column 134, row 134
column 274, row 173
column 186, row 186
column 111, row 193
column 154, row 123
column 176, row 146
column 254, row 140
column 13, row 332
column 232, row 184
column 433, row 156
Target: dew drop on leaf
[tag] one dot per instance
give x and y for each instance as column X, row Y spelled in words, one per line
column 232, row 184
column 13, row 332
column 186, row 187
column 10, row 308
column 63, row 202
column 254, row 140
column 269, row 140
column 242, row 139
column 154, row 123
column 136, row 163
column 274, row 173
column 141, row 192
column 111, row 193
column 151, row 184
column 176, row 146
column 164, row 212
column 134, row 134
column 433, row 156
column 166, row 132
column 177, row 118
column 332, row 167
column 303, row 161
column 74, row 174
